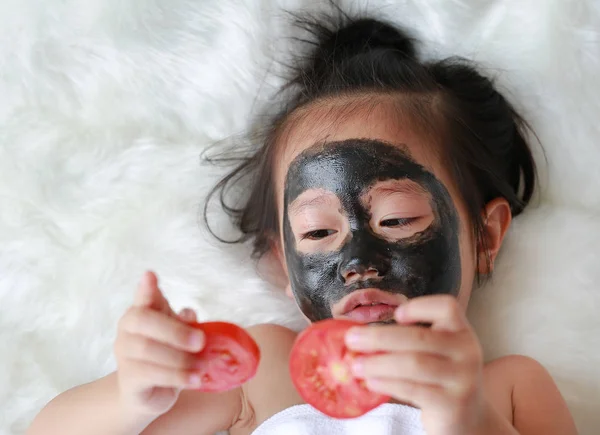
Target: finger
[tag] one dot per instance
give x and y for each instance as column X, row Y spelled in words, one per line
column 401, row 338
column 187, row 315
column 407, row 391
column 441, row 311
column 144, row 294
column 162, row 328
column 416, row 367
column 143, row 349
column 154, row 375
column 149, row 295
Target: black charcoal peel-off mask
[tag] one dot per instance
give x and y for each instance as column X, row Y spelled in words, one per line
column 423, row 264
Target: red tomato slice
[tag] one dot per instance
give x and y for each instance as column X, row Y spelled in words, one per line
column 320, row 369
column 229, row 358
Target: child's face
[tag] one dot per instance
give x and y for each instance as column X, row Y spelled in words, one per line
column 368, row 216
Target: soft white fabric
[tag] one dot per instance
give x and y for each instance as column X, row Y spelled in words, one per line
column 105, row 106
column 387, row 419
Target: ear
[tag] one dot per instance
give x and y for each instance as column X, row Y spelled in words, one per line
column 496, row 220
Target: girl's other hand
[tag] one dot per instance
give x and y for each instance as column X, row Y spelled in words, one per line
column 438, row 369
column 155, row 352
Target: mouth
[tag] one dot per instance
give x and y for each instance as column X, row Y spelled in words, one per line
column 368, row 306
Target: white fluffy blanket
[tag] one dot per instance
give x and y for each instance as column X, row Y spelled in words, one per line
column 105, row 106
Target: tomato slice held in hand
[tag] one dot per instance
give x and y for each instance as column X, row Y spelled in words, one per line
column 320, row 367
column 229, row 358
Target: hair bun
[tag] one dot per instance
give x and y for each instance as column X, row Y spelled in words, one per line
column 364, row 35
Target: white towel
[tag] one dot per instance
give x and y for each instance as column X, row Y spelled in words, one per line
column 387, row 419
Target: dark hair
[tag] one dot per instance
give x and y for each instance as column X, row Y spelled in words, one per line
column 483, row 136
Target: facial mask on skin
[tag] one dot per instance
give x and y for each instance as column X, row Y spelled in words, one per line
column 425, row 263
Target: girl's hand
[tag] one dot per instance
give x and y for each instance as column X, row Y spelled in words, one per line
column 154, row 350
column 438, row 369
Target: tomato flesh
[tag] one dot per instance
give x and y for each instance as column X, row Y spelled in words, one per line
column 229, row 359
column 320, row 367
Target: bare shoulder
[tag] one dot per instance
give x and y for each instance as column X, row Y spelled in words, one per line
column 503, row 371
column 271, row 331
column 271, row 390
column 523, row 390
column 511, row 362
column 515, row 373
column 275, row 343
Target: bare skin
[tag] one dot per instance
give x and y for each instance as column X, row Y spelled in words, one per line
column 519, row 390
column 443, row 372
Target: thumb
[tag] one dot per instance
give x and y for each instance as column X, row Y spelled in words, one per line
column 149, row 295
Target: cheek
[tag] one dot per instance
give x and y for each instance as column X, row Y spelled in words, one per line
column 468, row 255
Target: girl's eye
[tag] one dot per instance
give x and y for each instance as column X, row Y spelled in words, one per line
column 318, row 234
column 398, row 222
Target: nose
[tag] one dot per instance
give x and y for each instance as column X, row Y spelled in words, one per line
column 363, row 258
column 355, row 271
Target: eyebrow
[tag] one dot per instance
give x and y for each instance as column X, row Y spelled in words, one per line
column 407, row 188
column 298, row 206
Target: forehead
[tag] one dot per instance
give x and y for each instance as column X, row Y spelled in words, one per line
column 348, row 167
column 361, row 118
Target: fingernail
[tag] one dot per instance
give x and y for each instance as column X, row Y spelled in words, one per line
column 354, row 337
column 196, row 340
column 358, row 367
column 148, row 278
column 144, row 292
column 194, row 381
column 374, row 383
column 400, row 313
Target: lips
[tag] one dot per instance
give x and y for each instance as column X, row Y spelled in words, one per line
column 369, row 305
column 372, row 313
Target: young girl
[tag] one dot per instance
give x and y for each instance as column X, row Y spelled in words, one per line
column 384, row 189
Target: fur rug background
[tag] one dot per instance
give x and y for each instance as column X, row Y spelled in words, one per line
column 106, row 105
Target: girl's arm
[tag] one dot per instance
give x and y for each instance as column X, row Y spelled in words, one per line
column 154, row 384
column 87, row 409
column 96, row 408
column 538, row 406
column 527, row 399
